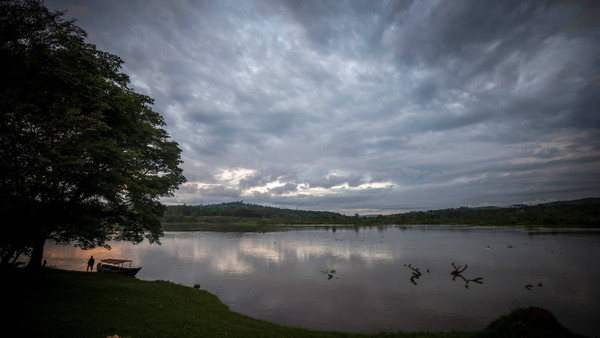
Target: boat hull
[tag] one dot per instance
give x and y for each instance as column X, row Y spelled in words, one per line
column 117, row 269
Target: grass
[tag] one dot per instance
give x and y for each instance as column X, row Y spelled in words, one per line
column 56, row 303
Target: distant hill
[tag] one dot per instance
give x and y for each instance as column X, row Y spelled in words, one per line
column 242, row 212
column 582, row 212
column 574, row 202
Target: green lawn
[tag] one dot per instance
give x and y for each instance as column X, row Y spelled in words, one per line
column 55, row 303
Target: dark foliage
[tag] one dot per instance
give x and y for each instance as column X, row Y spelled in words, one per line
column 83, row 157
column 585, row 213
column 233, row 211
column 569, row 213
column 530, row 322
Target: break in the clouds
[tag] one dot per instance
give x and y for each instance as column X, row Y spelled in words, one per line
column 367, row 106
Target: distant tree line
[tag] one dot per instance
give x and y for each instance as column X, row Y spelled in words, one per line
column 585, row 213
column 232, row 210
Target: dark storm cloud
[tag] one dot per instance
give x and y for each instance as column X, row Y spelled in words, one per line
column 286, row 188
column 367, row 105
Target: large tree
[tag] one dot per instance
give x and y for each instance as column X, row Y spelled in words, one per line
column 83, row 157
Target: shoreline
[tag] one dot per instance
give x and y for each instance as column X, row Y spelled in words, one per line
column 60, row 303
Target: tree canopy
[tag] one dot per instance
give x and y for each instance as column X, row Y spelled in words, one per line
column 573, row 213
column 83, row 158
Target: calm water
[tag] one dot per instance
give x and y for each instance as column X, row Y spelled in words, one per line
column 358, row 279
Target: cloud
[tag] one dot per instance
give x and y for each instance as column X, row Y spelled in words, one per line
column 345, row 105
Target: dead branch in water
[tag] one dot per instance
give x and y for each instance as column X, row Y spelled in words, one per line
column 415, row 275
column 457, row 273
column 457, row 269
column 416, row 270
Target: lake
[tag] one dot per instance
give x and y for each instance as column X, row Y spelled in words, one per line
column 360, row 279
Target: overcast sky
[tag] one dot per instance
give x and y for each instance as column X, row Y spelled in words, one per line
column 366, row 106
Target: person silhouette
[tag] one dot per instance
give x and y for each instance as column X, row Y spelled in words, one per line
column 90, row 265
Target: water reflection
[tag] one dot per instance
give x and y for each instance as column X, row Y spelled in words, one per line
column 375, row 279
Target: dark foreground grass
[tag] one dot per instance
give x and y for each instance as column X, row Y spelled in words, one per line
column 55, row 303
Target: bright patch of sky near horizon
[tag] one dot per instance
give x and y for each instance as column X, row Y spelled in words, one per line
column 370, row 107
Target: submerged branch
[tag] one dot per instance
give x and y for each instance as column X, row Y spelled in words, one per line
column 457, row 269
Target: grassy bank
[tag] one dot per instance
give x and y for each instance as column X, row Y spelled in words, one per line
column 54, row 303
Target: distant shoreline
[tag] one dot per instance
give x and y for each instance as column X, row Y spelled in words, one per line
column 584, row 213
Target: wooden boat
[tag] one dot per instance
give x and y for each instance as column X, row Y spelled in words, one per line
column 112, row 265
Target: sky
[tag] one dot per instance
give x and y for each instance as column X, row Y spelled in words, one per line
column 369, row 107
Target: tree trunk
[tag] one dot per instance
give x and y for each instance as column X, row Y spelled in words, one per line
column 37, row 254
